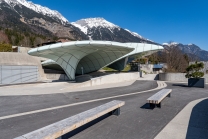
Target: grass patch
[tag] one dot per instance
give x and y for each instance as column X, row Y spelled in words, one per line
column 127, row 68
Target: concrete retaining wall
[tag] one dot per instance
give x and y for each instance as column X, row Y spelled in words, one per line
column 108, row 79
column 206, row 78
column 176, row 77
column 150, row 77
column 83, row 78
column 20, row 59
column 18, row 74
column 61, row 77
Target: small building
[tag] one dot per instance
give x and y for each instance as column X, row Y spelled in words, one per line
column 152, row 68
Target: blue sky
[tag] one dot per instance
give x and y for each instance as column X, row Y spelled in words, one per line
column 184, row 21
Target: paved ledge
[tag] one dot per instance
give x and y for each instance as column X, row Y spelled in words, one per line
column 191, row 122
column 52, row 88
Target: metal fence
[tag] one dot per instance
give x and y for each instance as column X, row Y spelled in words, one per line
column 18, row 74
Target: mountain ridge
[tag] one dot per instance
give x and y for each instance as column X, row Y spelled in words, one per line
column 27, row 24
column 100, row 29
column 190, row 49
column 37, row 8
column 22, row 25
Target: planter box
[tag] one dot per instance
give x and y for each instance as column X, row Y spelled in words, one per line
column 193, row 82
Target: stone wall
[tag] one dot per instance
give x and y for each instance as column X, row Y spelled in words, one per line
column 54, row 76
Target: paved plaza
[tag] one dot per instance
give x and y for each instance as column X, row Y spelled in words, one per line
column 20, row 114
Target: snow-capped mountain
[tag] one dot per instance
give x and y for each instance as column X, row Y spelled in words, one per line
column 190, row 49
column 171, row 44
column 34, row 23
column 101, row 29
column 86, row 24
column 134, row 33
column 37, row 8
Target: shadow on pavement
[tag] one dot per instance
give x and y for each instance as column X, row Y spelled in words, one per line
column 181, row 85
column 156, row 77
column 198, row 124
column 82, row 128
column 146, row 106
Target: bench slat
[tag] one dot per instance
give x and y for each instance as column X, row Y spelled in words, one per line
column 159, row 96
column 64, row 126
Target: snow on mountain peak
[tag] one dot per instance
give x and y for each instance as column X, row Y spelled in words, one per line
column 95, row 22
column 174, row 43
column 165, row 44
column 137, row 35
column 37, row 8
column 134, row 34
column 171, row 43
column 88, row 23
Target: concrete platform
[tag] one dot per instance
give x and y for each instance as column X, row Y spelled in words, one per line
column 136, row 119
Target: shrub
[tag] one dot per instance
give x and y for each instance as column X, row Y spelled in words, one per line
column 5, row 47
column 144, row 72
column 194, row 70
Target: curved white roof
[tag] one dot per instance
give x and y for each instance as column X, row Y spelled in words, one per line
column 89, row 55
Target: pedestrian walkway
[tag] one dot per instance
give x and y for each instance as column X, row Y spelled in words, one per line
column 61, row 87
column 149, row 77
column 53, row 88
column 191, row 122
column 22, row 114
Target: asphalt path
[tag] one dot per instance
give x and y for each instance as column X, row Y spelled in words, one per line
column 19, row 104
column 136, row 120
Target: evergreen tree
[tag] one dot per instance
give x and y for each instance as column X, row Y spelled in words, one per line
column 194, row 70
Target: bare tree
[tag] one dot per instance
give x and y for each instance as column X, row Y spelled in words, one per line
column 175, row 59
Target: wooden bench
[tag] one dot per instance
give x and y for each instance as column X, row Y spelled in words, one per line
column 156, row 99
column 56, row 130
